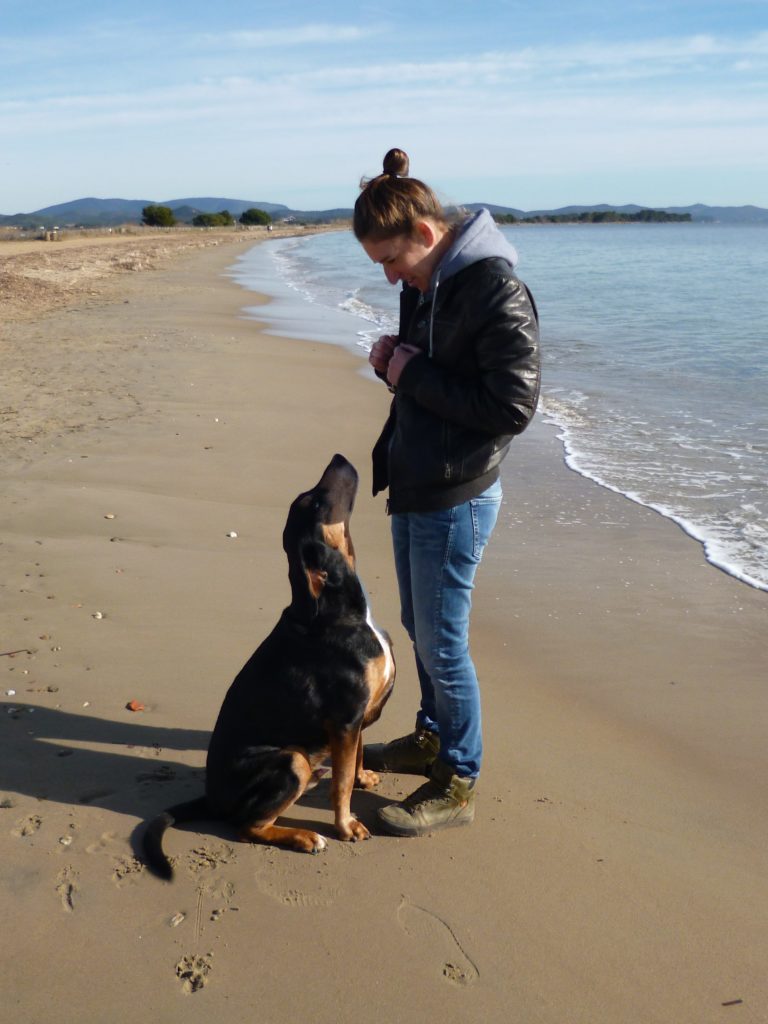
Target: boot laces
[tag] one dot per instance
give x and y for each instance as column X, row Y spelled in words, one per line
column 419, row 737
column 425, row 794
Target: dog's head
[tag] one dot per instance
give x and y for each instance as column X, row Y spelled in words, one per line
column 316, row 539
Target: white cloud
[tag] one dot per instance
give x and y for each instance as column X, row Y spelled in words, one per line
column 302, row 35
column 286, row 105
column 592, row 65
column 675, row 49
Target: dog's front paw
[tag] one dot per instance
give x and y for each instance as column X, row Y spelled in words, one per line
column 352, row 831
column 317, row 843
column 366, row 779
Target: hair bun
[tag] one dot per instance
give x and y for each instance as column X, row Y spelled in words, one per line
column 396, row 162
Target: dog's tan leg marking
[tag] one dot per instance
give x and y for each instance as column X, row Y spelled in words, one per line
column 344, row 751
column 379, row 676
column 301, row 839
column 364, row 777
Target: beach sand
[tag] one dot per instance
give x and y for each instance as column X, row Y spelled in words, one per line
column 616, row 871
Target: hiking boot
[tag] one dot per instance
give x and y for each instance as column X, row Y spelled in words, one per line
column 446, row 801
column 413, row 754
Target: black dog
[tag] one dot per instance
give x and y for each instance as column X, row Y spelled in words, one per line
column 322, row 675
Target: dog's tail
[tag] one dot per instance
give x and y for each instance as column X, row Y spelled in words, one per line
column 152, row 841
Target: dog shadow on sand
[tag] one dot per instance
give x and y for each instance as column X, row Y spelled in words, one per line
column 130, row 768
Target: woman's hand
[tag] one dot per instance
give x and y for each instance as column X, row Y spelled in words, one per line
column 402, row 355
column 381, row 352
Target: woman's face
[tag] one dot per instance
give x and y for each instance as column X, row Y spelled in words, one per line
column 410, row 258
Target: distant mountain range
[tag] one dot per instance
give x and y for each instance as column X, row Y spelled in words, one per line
column 699, row 212
column 112, row 212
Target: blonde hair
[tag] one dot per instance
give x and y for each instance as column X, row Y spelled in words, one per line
column 391, row 203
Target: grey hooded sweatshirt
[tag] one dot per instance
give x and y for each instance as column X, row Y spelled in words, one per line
column 478, row 239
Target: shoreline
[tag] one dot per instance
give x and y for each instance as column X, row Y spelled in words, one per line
column 621, row 813
column 301, row 310
column 692, row 531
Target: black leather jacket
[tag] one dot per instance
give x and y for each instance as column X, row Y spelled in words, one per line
column 458, row 406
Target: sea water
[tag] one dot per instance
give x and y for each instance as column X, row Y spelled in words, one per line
column 654, row 347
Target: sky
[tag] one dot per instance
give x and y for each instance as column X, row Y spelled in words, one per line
column 532, row 104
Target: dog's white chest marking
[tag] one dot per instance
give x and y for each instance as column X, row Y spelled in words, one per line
column 389, row 665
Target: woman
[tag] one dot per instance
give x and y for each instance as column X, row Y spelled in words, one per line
column 464, row 370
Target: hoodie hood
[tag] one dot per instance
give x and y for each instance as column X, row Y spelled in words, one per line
column 478, row 238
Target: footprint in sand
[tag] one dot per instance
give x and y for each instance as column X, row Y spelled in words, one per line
column 126, row 870
column 157, row 776
column 66, row 887
column 435, row 935
column 218, row 891
column 103, row 843
column 193, row 971
column 93, row 796
column 209, row 857
column 223, row 894
column 27, row 826
column 315, row 894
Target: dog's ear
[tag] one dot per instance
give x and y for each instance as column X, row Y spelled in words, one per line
column 321, row 566
column 314, row 574
column 316, row 578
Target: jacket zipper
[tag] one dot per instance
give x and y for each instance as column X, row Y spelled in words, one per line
column 432, row 312
column 448, row 469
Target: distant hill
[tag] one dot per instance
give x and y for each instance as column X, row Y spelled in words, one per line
column 727, row 214
column 699, row 212
column 495, row 210
column 92, row 212
column 235, row 206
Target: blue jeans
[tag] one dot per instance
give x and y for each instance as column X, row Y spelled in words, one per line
column 436, row 557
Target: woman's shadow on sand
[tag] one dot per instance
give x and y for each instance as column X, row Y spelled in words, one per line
column 125, row 767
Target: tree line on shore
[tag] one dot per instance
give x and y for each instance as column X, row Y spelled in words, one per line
column 163, row 216
column 156, row 216
column 595, row 217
